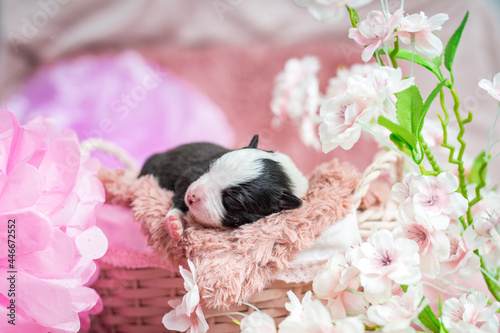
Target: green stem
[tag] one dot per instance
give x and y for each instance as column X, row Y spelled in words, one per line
column 393, row 53
column 444, row 126
column 459, row 160
column 480, row 185
column 430, row 156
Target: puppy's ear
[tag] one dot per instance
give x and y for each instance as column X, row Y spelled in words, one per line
column 254, row 142
column 288, row 201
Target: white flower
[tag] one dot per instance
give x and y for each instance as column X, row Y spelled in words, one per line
column 470, row 314
column 463, row 262
column 397, row 313
column 308, row 316
column 349, row 325
column 382, row 260
column 342, row 117
column 379, row 85
column 258, row 322
column 487, row 213
column 309, row 133
column 296, row 92
column 187, row 314
column 434, row 245
column 333, row 279
column 493, row 88
column 329, row 11
column 437, row 197
column 417, row 29
column 338, row 85
column 374, row 31
column 401, row 192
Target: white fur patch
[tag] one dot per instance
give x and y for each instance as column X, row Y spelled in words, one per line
column 231, row 169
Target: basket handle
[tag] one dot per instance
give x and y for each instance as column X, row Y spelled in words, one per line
column 87, row 146
column 383, row 162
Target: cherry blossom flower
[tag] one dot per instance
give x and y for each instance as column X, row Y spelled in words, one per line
column 312, row 316
column 470, row 314
column 309, row 134
column 437, row 197
column 342, row 117
column 330, row 11
column 335, row 278
column 379, row 85
column 463, row 262
column 382, row 260
column 296, row 92
column 374, row 31
column 493, row 88
column 417, row 29
column 258, row 322
column 434, row 245
column 338, row 84
column 187, row 315
column 401, row 192
column 50, row 194
column 397, row 314
column 306, row 316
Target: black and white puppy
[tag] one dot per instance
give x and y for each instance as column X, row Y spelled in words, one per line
column 221, row 187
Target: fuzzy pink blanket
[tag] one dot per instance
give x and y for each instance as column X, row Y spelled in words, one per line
column 233, row 264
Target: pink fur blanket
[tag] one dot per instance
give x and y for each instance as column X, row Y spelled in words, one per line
column 233, row 264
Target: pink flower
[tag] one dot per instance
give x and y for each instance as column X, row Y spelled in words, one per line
column 379, row 85
column 50, row 195
column 401, row 192
column 296, row 91
column 338, row 84
column 493, row 88
column 463, row 262
column 187, row 314
column 470, row 314
column 417, row 29
column 306, row 316
column 330, row 11
column 258, row 322
column 434, row 245
column 382, row 260
column 342, row 117
column 312, row 316
column 337, row 275
column 397, row 314
column 375, row 30
column 437, row 197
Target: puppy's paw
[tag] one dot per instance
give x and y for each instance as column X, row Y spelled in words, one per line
column 173, row 223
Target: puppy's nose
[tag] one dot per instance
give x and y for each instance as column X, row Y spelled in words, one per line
column 191, row 198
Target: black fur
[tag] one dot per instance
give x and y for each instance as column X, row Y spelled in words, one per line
column 177, row 168
column 251, row 201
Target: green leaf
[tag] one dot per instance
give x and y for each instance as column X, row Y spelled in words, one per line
column 401, row 144
column 451, row 47
column 474, row 176
column 418, row 59
column 353, row 14
column 426, row 106
column 429, row 319
column 408, row 109
column 404, row 135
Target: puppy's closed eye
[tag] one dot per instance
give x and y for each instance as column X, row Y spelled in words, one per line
column 231, row 199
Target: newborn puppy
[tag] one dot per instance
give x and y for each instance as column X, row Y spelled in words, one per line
column 221, row 187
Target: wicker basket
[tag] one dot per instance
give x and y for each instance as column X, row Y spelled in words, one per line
column 135, row 300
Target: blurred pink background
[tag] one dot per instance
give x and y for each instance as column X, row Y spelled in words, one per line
column 225, row 58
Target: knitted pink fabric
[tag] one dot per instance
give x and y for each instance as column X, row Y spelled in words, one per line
column 233, row 264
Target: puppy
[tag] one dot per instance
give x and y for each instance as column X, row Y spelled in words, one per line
column 218, row 187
